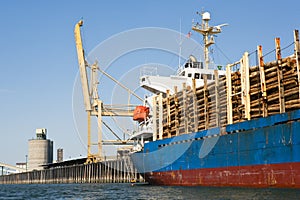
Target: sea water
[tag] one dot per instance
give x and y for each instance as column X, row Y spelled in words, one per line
column 139, row 191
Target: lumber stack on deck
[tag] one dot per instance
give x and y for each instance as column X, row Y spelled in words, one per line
column 250, row 92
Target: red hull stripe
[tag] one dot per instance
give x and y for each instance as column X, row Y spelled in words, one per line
column 286, row 175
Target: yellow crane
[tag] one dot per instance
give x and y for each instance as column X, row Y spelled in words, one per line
column 89, row 107
column 93, row 105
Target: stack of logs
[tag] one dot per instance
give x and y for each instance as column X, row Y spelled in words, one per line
column 250, row 92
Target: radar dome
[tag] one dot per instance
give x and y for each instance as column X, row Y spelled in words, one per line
column 206, row 16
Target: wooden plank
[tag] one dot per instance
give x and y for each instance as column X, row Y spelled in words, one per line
column 176, row 110
column 160, row 116
column 247, row 89
column 245, row 84
column 195, row 110
column 280, row 76
column 229, row 93
column 168, row 113
column 262, row 81
column 185, row 120
column 206, row 118
column 154, row 118
column 216, row 74
column 297, row 53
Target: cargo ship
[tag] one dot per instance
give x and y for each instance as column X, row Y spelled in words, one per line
column 209, row 126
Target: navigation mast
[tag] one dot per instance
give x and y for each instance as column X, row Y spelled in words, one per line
column 207, row 32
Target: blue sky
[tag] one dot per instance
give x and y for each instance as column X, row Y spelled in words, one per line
column 39, row 61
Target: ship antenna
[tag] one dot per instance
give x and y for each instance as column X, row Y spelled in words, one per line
column 180, row 43
column 207, row 32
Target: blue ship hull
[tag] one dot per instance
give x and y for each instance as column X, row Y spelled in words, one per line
column 260, row 152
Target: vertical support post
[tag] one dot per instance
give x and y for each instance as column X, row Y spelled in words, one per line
column 26, row 162
column 168, row 113
column 176, row 111
column 297, row 53
column 280, row 76
column 229, row 93
column 185, row 117
column 160, row 123
column 216, row 74
column 154, row 118
column 99, row 122
column 195, row 106
column 245, row 83
column 262, row 80
column 247, row 77
column 114, row 171
column 205, row 93
column 89, row 136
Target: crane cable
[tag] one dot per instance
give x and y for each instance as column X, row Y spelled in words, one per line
column 120, row 84
column 111, row 131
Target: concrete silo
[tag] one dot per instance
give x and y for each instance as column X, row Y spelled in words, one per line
column 40, row 150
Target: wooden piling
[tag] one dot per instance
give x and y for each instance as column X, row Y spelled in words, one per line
column 111, row 171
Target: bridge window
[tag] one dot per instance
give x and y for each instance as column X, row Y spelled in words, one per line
column 209, row 76
column 197, row 76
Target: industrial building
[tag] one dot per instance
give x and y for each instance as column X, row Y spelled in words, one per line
column 40, row 151
column 60, row 155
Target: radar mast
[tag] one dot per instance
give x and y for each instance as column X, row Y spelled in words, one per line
column 207, row 32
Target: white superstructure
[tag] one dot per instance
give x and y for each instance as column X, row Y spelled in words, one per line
column 192, row 70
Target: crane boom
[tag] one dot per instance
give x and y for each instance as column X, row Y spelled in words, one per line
column 82, row 67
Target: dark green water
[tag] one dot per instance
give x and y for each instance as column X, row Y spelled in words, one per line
column 126, row 191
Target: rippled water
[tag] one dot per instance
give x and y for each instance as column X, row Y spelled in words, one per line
column 127, row 191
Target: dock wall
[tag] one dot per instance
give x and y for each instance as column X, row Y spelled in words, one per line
column 114, row 171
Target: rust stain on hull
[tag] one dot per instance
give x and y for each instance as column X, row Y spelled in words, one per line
column 285, row 175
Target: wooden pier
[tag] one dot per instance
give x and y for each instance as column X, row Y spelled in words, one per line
column 112, row 171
